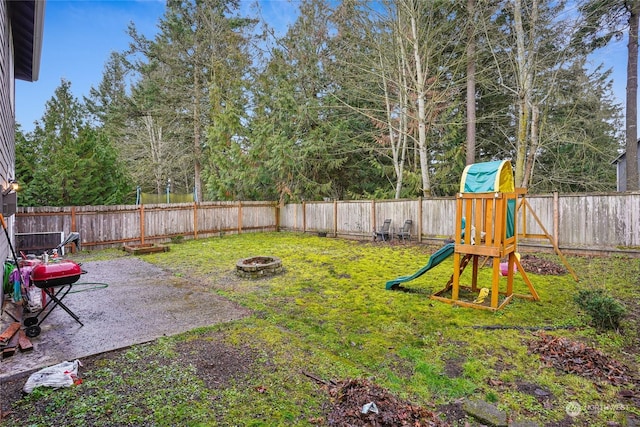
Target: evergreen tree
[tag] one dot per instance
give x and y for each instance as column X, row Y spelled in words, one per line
column 603, row 21
column 580, row 134
column 73, row 164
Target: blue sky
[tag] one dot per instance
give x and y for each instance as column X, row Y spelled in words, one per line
column 78, row 39
column 79, row 36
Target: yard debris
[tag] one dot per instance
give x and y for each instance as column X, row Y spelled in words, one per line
column 13, row 338
column 24, row 342
column 576, row 358
column 370, row 407
column 64, row 374
column 351, row 396
column 536, row 265
column 6, row 335
column 10, row 348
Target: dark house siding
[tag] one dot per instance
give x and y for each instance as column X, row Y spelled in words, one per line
column 621, row 170
column 21, row 27
column 7, row 114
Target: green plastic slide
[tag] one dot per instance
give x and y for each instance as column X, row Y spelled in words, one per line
column 436, row 258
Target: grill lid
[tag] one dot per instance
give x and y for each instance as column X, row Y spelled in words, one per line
column 60, row 271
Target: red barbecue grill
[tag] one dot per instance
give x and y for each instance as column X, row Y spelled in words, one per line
column 55, row 278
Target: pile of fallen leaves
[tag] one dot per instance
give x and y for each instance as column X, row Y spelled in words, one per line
column 576, row 358
column 358, row 402
column 533, row 264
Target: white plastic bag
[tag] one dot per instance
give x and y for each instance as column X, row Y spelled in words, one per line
column 35, row 299
column 61, row 375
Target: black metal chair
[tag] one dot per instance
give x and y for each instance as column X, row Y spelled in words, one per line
column 383, row 232
column 405, row 232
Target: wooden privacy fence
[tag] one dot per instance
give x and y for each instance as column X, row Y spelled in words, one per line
column 575, row 221
column 111, row 226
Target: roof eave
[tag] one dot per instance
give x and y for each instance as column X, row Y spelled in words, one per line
column 38, row 35
column 27, row 29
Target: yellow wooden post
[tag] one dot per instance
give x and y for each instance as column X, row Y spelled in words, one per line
column 456, row 277
column 495, row 283
column 510, row 265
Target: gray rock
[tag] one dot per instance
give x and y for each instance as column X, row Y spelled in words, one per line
column 524, row 423
column 485, row 412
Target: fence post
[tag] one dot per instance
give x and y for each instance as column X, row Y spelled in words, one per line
column 195, row 220
column 556, row 220
column 373, row 215
column 335, row 218
column 304, row 216
column 73, row 218
column 277, row 209
column 420, row 219
column 141, row 224
column 239, row 217
column 73, row 226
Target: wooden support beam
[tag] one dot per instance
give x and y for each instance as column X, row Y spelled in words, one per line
column 24, row 342
column 12, row 345
column 553, row 242
column 9, row 332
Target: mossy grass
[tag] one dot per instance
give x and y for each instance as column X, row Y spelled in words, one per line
column 330, row 315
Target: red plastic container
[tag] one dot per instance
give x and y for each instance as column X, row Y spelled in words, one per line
column 54, row 274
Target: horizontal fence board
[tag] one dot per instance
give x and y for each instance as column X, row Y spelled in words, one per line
column 609, row 220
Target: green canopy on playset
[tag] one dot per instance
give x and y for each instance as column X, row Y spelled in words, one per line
column 488, row 177
column 491, row 177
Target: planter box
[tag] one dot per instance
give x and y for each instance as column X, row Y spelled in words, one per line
column 145, row 249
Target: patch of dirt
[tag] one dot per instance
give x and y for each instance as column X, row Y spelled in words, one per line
column 349, row 398
column 454, row 414
column 541, row 266
column 453, row 367
column 216, row 363
column 534, row 390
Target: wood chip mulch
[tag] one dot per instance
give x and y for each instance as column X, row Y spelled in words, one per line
column 350, row 396
column 576, row 358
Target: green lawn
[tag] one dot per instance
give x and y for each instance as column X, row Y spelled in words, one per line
column 329, row 315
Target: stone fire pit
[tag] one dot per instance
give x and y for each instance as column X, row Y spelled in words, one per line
column 259, row 266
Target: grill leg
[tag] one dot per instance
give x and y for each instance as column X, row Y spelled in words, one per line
column 57, row 301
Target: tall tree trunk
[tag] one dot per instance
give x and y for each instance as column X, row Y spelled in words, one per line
column 535, row 143
column 197, row 149
column 632, row 100
column 471, row 84
column 398, row 147
column 524, row 64
column 154, row 135
column 422, row 108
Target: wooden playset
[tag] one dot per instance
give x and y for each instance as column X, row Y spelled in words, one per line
column 486, row 231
